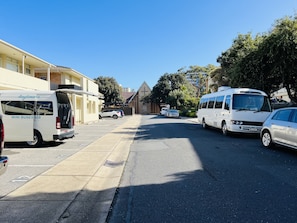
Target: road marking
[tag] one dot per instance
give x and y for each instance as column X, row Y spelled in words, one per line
column 22, row 179
column 30, row 165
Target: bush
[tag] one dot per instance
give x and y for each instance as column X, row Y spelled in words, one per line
column 189, row 112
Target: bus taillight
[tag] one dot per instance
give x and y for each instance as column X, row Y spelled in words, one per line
column 58, row 123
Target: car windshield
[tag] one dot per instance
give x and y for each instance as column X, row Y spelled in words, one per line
column 251, row 102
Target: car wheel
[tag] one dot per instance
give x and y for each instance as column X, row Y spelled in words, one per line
column 100, row 117
column 224, row 129
column 115, row 116
column 266, row 139
column 204, row 125
column 37, row 140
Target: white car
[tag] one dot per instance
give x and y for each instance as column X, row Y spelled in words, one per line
column 172, row 113
column 112, row 113
column 163, row 111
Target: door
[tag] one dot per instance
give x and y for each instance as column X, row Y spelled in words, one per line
column 292, row 130
column 279, row 125
column 18, row 118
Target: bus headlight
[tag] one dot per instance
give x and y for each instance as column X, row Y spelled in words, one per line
column 236, row 122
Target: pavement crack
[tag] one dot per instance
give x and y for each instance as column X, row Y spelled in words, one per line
column 210, row 174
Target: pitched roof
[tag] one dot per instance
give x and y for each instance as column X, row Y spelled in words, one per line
column 127, row 95
column 135, row 93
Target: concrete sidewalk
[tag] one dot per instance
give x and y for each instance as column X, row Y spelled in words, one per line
column 80, row 188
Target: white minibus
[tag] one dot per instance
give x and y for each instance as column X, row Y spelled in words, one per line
column 240, row 110
column 36, row 116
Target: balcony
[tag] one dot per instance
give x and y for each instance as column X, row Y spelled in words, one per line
column 14, row 80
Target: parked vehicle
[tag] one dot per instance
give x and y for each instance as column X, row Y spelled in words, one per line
column 163, row 111
column 240, row 110
column 277, row 103
column 3, row 159
column 122, row 113
column 111, row 113
column 280, row 128
column 172, row 113
column 36, row 116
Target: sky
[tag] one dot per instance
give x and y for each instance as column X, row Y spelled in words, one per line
column 134, row 41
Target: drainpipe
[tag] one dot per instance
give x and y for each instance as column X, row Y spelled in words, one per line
column 23, row 63
column 49, row 77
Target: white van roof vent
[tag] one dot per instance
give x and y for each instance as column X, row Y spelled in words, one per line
column 223, row 88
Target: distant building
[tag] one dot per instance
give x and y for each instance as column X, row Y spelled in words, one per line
column 126, row 89
column 134, row 100
column 281, row 94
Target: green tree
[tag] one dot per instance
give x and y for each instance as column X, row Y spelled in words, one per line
column 202, row 76
column 218, row 78
column 280, row 48
column 266, row 62
column 230, row 59
column 172, row 89
column 110, row 88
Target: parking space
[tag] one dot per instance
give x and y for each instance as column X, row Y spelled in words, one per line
column 25, row 162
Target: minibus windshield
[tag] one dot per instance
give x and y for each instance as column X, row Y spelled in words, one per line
column 249, row 102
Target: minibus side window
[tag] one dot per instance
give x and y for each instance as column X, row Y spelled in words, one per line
column 44, row 108
column 211, row 103
column 204, row 103
column 227, row 102
column 219, row 102
column 17, row 107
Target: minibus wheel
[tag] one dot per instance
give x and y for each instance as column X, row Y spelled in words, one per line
column 37, row 140
column 224, row 128
column 204, row 125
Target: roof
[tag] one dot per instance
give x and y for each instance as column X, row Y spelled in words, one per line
column 135, row 93
column 235, row 91
column 18, row 54
column 127, row 95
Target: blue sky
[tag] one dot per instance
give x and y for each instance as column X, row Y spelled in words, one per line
column 134, row 40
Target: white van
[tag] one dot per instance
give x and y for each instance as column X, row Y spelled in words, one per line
column 36, row 116
column 241, row 110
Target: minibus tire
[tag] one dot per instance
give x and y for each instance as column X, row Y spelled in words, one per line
column 224, row 128
column 37, row 140
column 204, row 125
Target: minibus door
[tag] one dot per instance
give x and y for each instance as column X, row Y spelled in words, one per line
column 17, row 119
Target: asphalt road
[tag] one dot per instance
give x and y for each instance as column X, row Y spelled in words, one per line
column 179, row 172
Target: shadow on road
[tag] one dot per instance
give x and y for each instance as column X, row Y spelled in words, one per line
column 234, row 184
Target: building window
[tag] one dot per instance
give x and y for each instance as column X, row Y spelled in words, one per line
column 27, row 69
column 12, row 64
column 42, row 76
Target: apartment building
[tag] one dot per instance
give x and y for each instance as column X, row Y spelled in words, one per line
column 22, row 70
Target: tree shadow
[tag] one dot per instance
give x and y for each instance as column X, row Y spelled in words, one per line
column 239, row 180
column 234, row 180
